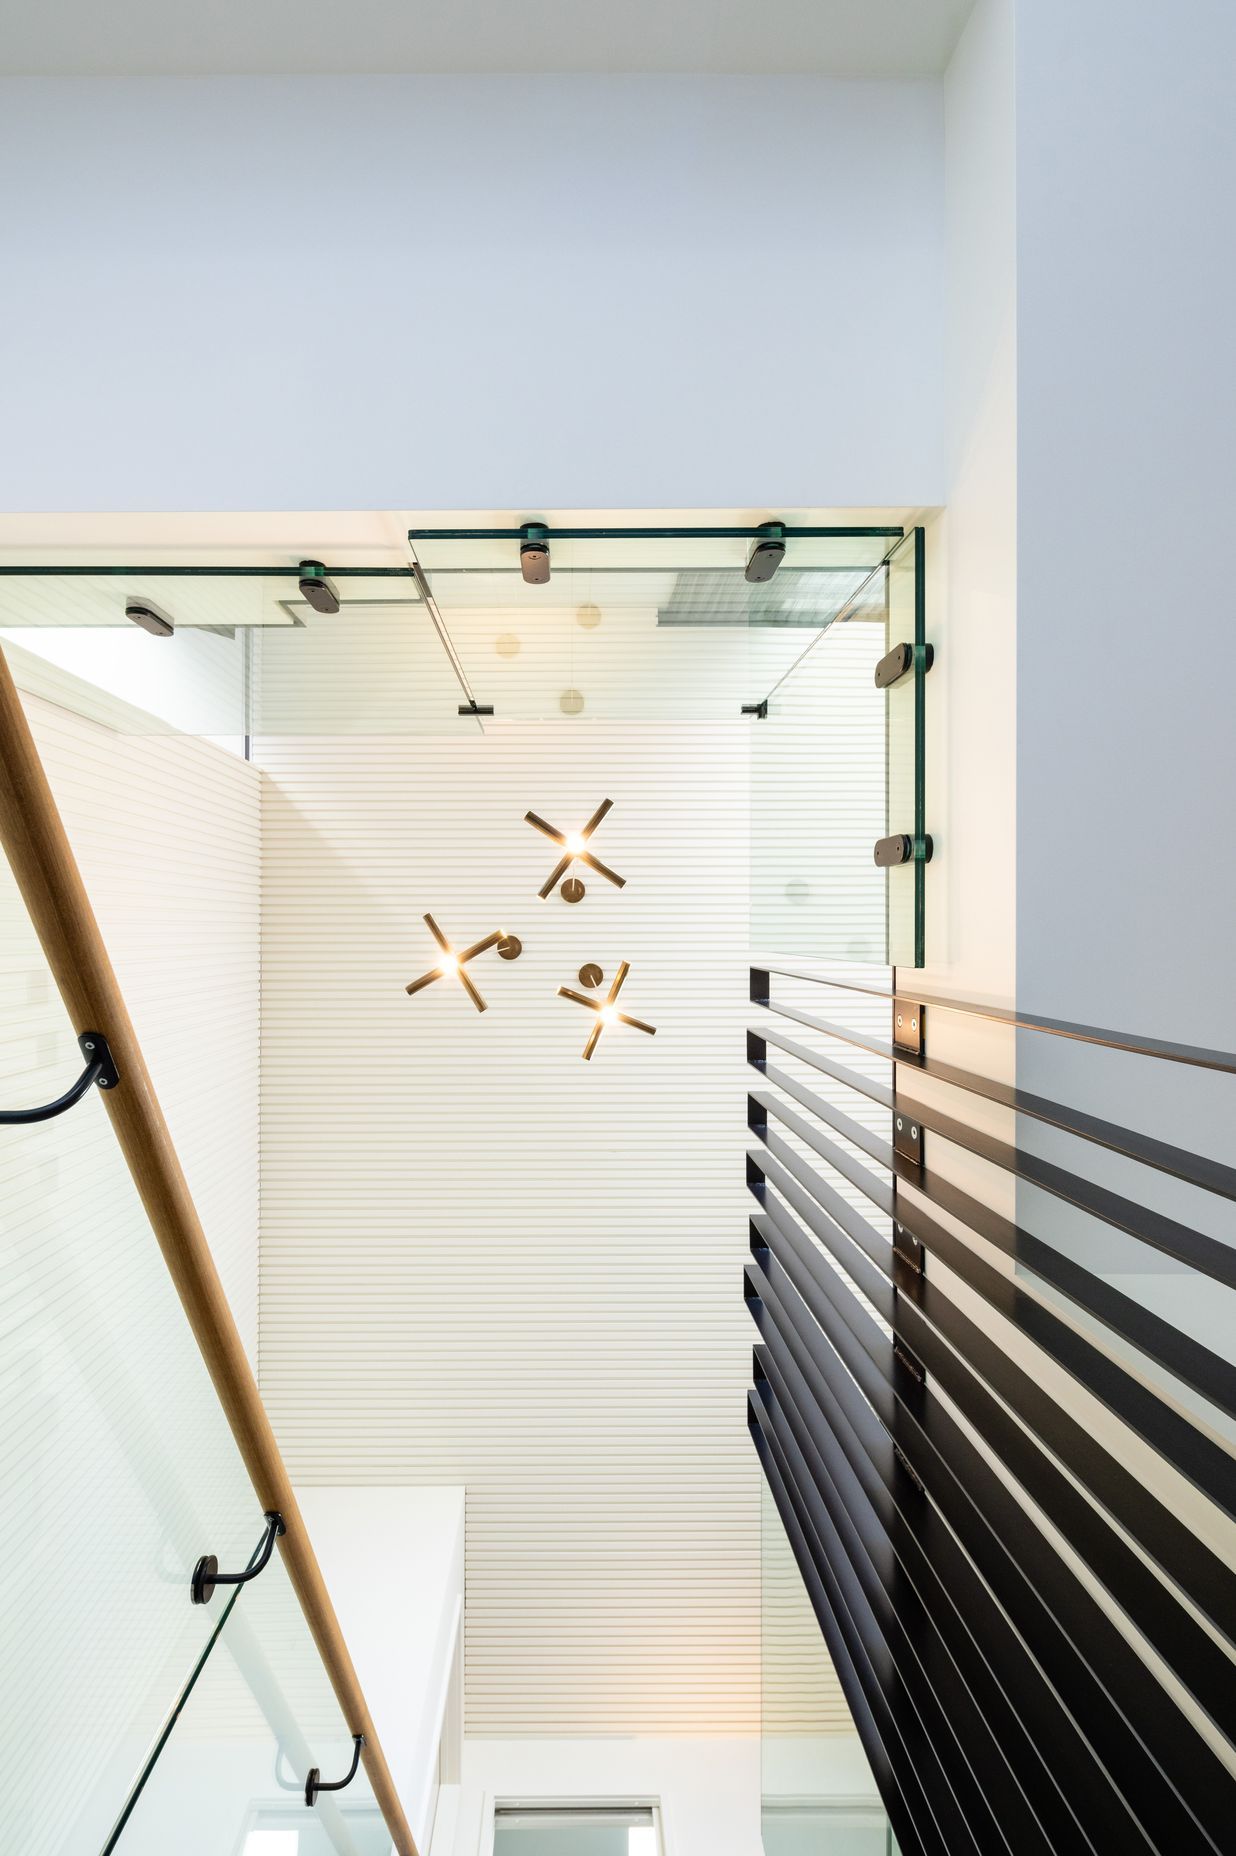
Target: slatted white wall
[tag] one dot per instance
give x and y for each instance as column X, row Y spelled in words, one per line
column 486, row 1262
column 166, row 832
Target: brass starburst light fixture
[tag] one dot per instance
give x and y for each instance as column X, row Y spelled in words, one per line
column 606, row 1010
column 574, row 845
column 508, row 945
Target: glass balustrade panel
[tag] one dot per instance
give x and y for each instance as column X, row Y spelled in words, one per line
column 117, row 1469
column 818, row 1796
column 260, row 1714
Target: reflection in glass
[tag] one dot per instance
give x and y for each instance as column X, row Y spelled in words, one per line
column 609, row 1830
column 818, row 805
column 118, row 1469
column 231, row 1775
column 818, row 1795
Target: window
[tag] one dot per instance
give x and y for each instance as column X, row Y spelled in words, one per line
column 576, row 1830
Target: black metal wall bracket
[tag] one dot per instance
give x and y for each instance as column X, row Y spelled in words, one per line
column 100, row 1068
column 206, row 1574
column 907, row 1137
column 315, row 1783
column 901, row 848
column 758, row 709
column 909, row 1027
column 908, row 1254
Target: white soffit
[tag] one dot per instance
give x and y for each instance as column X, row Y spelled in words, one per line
column 838, row 38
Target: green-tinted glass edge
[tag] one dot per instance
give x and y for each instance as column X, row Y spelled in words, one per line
column 166, row 1731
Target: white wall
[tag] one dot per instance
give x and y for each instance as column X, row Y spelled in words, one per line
column 1126, row 480
column 393, row 1561
column 1126, row 476
column 395, row 292
column 972, row 616
column 708, row 1790
column 166, row 833
column 487, row 1262
column 1088, row 158
column 972, row 547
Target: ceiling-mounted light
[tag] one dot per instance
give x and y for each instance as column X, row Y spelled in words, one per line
column 509, row 947
column 316, row 588
column 534, row 553
column 575, row 844
column 144, row 613
column 767, row 552
column 606, row 1010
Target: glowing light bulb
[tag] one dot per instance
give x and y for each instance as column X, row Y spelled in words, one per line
column 450, row 963
column 608, row 1014
column 575, row 842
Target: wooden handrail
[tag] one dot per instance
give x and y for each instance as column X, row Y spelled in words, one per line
column 34, row 838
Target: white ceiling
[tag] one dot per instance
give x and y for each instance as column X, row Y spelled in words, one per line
column 841, row 38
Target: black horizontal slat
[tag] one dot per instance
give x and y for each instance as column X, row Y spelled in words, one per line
column 1049, row 1666
column 1176, row 1788
column 878, row 1047
column 1207, row 1372
column 908, row 1748
column 978, row 1716
column 1164, row 1048
column 840, row 1072
column 1197, row 1169
column 873, row 1145
column 1177, row 1549
column 1036, row 1735
column 1208, row 1255
column 870, row 1711
column 1198, row 1456
column 919, row 1676
column 1197, row 1365
column 922, row 1307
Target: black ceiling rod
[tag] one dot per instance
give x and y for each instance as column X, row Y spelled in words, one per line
column 746, row 532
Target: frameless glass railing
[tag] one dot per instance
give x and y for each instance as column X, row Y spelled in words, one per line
column 442, row 636
column 824, row 661
column 839, row 840
column 117, row 1468
column 993, row 1400
column 255, row 1719
column 171, row 1671
column 818, row 1796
